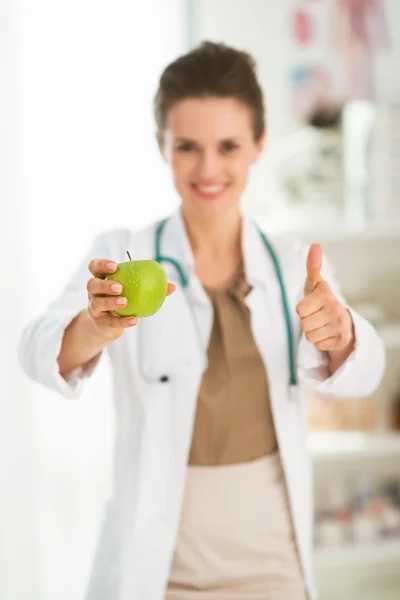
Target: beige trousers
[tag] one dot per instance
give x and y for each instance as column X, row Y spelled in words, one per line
column 236, row 540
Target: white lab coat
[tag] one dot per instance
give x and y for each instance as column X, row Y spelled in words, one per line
column 155, row 418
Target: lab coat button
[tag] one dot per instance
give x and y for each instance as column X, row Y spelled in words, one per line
column 164, row 378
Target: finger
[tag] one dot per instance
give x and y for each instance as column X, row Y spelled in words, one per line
column 321, row 297
column 171, row 289
column 96, row 286
column 100, row 305
column 321, row 334
column 330, row 344
column 114, row 321
column 310, row 305
column 101, row 267
column 314, row 266
column 315, row 321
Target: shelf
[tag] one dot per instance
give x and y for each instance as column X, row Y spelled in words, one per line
column 381, row 551
column 365, row 233
column 368, row 232
column 336, row 445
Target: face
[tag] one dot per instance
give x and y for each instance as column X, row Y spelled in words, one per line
column 210, row 146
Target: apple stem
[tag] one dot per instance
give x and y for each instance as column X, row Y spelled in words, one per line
column 129, row 256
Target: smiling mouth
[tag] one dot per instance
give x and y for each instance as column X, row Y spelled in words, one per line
column 210, row 192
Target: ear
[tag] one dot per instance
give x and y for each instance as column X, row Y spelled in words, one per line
column 259, row 146
column 161, row 145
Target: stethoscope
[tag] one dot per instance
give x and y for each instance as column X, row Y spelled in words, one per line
column 285, row 304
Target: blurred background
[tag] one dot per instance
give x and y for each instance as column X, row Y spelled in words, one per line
column 78, row 155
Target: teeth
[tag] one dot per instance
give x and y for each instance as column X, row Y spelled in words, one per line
column 210, row 189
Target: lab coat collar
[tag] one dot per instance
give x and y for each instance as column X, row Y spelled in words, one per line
column 257, row 266
column 175, row 243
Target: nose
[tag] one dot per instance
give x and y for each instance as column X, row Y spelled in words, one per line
column 209, row 166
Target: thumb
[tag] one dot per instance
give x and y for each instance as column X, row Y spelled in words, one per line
column 171, row 288
column 314, row 265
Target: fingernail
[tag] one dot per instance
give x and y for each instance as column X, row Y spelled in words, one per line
column 121, row 301
column 116, row 287
column 112, row 266
column 132, row 321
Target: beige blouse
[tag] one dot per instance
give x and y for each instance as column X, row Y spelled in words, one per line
column 235, row 539
column 233, row 421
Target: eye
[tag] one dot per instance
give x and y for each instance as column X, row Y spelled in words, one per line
column 229, row 146
column 186, row 147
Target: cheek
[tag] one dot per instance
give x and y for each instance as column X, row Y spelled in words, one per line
column 182, row 167
column 240, row 168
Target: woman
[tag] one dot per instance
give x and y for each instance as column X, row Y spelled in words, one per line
column 212, row 486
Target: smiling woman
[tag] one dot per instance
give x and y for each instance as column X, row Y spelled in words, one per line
column 210, row 126
column 210, row 117
column 210, row 410
column 210, row 167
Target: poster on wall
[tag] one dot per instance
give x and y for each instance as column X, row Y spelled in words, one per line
column 359, row 33
column 310, row 159
column 335, row 47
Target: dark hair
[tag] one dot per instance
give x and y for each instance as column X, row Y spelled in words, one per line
column 211, row 69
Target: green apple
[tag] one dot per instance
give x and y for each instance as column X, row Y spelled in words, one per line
column 144, row 284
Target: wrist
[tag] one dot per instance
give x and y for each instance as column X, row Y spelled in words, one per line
column 94, row 335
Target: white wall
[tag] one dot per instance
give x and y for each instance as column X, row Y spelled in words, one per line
column 18, row 564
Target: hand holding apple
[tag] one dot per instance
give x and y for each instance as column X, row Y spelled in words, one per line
column 144, row 287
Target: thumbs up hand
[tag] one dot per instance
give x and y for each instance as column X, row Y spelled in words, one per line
column 325, row 321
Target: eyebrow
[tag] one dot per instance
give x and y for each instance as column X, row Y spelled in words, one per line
column 192, row 141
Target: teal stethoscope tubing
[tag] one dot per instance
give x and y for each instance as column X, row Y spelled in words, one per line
column 285, row 304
